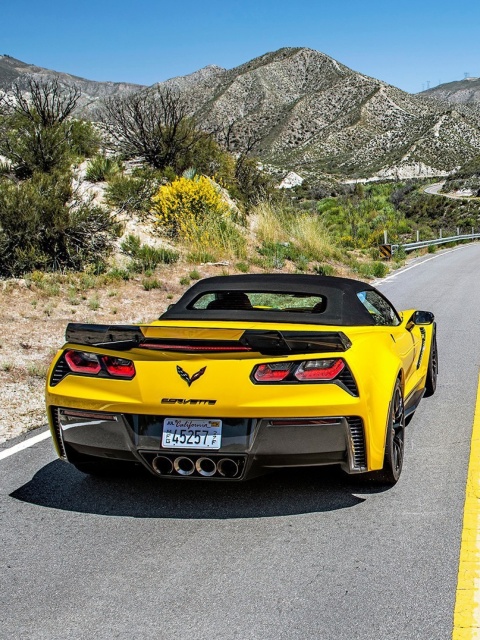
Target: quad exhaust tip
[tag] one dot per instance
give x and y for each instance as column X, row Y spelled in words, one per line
column 162, row 465
column 184, row 466
column 206, row 467
column 202, row 466
column 227, row 468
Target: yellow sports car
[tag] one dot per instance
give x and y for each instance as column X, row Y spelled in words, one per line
column 246, row 374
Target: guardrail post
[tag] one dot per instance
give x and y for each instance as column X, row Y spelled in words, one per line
column 418, row 235
column 385, row 237
column 458, row 231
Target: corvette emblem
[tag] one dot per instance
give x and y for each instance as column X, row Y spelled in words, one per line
column 184, row 375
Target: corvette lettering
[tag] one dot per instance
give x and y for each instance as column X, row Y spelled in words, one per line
column 184, row 401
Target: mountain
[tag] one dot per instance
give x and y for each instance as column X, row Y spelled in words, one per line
column 309, row 113
column 303, row 111
column 465, row 91
column 12, row 70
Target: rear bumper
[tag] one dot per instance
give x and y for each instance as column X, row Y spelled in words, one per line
column 254, row 445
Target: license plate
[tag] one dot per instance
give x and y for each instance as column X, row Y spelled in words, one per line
column 191, row 433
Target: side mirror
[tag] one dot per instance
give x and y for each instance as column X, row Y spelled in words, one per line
column 420, row 318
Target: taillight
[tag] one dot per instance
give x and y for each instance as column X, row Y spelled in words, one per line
column 119, row 367
column 325, row 369
column 94, row 364
column 82, row 362
column 272, row 372
column 322, row 370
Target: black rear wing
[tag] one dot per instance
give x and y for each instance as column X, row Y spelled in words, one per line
column 266, row 342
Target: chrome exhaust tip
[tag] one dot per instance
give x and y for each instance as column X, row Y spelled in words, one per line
column 227, row 468
column 184, row 466
column 162, row 465
column 205, row 467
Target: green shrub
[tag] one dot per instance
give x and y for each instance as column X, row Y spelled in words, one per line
column 324, row 270
column 242, row 267
column 200, row 256
column 145, row 257
column 133, row 193
column 40, row 229
column 432, row 248
column 84, row 138
column 194, row 275
column 151, row 283
column 118, row 274
column 372, row 269
column 101, row 168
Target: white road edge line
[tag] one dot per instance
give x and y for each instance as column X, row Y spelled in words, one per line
column 5, row 453
column 417, row 264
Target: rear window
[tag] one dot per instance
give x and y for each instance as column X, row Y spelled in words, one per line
column 264, row 301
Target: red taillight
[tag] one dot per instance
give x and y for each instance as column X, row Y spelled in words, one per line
column 272, row 372
column 91, row 363
column 325, row 369
column 82, row 362
column 119, row 367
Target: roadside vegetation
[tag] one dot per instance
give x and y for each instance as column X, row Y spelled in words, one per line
column 71, row 191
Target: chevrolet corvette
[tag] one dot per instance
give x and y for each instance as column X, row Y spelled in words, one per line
column 243, row 375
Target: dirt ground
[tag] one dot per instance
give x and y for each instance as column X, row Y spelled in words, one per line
column 33, row 318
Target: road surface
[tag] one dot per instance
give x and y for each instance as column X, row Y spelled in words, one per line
column 309, row 555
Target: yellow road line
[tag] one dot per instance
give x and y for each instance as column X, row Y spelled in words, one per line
column 466, row 621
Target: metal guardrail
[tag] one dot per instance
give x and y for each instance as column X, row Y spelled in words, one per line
column 411, row 246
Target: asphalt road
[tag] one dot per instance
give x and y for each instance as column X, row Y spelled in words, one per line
column 310, row 555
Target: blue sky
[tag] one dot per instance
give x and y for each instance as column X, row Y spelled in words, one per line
column 405, row 43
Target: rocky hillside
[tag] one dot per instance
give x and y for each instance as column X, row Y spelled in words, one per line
column 307, row 112
column 465, row 91
column 12, row 70
column 303, row 111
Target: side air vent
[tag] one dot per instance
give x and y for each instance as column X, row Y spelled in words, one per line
column 357, row 455
column 60, row 371
column 347, row 379
column 58, row 432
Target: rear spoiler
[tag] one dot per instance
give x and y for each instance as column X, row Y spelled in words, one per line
column 266, row 342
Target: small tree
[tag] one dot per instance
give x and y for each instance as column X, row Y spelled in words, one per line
column 154, row 124
column 35, row 126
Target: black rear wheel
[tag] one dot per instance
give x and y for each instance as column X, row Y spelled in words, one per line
column 395, row 440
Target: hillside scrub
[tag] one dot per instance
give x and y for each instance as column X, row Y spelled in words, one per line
column 183, row 205
column 41, row 229
column 133, row 193
column 37, row 133
column 287, row 234
column 359, row 220
column 153, row 124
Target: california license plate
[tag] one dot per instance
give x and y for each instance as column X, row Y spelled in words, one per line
column 191, row 433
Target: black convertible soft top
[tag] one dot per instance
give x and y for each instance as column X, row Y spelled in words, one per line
column 343, row 306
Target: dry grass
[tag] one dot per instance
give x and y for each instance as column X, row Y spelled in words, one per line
column 305, row 230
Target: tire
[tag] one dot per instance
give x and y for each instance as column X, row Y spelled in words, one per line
column 394, row 441
column 432, row 372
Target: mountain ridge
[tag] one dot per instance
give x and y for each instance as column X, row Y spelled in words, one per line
column 301, row 110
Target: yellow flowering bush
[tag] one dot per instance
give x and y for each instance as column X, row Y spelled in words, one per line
column 184, row 205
